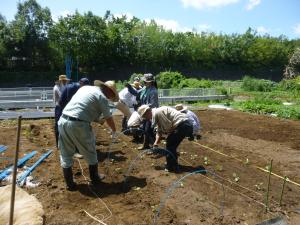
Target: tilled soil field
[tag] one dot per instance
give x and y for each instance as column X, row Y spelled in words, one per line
column 235, row 149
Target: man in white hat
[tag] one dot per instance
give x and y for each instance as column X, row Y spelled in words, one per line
column 75, row 131
column 193, row 117
column 171, row 122
column 57, row 91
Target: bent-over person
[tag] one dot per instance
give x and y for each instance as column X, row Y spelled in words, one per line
column 168, row 121
column 75, row 131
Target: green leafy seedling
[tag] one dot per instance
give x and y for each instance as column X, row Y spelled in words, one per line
column 220, row 168
column 247, row 161
column 236, row 178
column 206, row 160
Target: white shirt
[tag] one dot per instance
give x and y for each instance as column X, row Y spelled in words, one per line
column 195, row 120
column 57, row 90
column 134, row 120
column 126, row 97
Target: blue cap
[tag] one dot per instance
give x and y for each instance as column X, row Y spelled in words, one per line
column 84, row 81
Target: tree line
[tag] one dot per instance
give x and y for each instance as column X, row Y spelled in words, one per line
column 97, row 45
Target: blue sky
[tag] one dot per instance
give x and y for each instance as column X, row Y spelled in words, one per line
column 275, row 17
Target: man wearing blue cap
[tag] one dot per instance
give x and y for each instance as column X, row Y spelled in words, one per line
column 67, row 94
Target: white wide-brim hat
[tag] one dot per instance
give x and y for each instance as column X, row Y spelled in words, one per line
column 180, row 107
column 143, row 109
column 111, row 85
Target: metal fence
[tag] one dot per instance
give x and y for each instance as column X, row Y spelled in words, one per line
column 18, row 94
column 43, row 96
column 188, row 92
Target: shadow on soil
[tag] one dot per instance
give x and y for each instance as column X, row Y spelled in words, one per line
column 115, row 155
column 105, row 189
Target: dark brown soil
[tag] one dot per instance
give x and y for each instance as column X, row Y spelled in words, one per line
column 234, row 149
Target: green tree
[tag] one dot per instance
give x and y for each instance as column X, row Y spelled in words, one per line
column 3, row 40
column 82, row 37
column 29, row 35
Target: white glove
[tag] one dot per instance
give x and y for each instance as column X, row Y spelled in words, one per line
column 114, row 137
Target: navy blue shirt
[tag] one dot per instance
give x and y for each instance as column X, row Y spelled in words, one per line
column 67, row 94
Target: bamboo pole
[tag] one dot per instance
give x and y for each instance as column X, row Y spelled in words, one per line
column 13, row 187
column 284, row 181
column 268, row 190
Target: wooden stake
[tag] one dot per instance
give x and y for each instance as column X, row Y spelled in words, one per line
column 13, row 187
column 268, row 190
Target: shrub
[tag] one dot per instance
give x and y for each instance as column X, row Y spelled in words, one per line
column 195, row 83
column 169, row 79
column 252, row 84
column 289, row 112
column 120, row 84
column 290, row 85
column 222, row 90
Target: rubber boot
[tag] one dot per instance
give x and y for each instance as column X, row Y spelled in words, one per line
column 95, row 177
column 172, row 164
column 68, row 175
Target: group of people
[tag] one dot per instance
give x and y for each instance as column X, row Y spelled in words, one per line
column 79, row 104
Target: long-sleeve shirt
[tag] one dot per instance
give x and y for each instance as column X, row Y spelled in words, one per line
column 149, row 96
column 67, row 94
column 135, row 120
column 195, row 120
column 128, row 98
column 146, row 95
column 166, row 119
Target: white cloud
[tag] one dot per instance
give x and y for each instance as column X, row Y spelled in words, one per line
column 170, row 25
column 297, row 29
column 129, row 16
column 262, row 30
column 201, row 4
column 252, row 3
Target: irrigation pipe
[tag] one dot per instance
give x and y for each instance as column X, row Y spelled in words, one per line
column 257, row 167
column 176, row 184
column 130, row 167
column 113, row 142
column 91, row 190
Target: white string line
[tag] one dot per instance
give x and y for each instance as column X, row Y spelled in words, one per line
column 95, row 218
column 232, row 183
column 229, row 187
